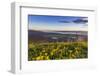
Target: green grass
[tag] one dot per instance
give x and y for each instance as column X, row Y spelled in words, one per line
column 57, row 50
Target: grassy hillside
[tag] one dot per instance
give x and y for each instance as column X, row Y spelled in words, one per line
column 57, row 50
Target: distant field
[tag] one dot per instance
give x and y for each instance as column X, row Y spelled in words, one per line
column 57, row 50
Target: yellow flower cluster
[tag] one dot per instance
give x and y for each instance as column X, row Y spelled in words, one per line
column 57, row 50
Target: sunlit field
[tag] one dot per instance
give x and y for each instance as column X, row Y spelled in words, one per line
column 57, row 50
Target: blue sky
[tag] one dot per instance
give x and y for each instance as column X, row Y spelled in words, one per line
column 63, row 23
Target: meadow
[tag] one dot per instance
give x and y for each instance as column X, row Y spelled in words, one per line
column 57, row 50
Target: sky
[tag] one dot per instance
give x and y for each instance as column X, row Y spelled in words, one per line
column 57, row 23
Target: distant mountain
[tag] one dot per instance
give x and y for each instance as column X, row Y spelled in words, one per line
column 45, row 36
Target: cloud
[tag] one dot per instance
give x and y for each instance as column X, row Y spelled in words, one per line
column 81, row 20
column 63, row 21
column 77, row 21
